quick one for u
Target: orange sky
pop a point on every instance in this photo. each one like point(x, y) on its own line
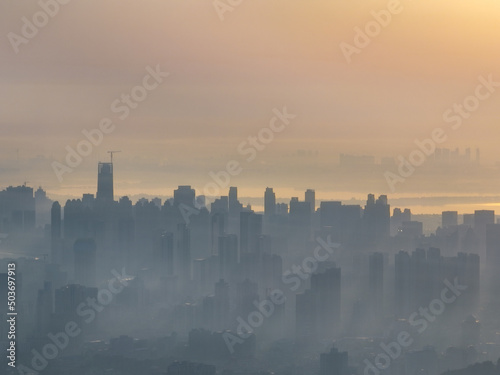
point(226, 78)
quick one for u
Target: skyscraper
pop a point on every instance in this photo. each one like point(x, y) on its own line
point(330, 214)
point(184, 195)
point(376, 219)
point(85, 262)
point(376, 284)
point(228, 255)
point(326, 287)
point(55, 233)
point(402, 284)
point(449, 218)
point(310, 196)
point(269, 202)
point(217, 229)
point(334, 363)
point(183, 253)
point(105, 190)
point(250, 230)
point(166, 256)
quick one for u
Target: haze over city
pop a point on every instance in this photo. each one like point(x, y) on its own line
point(233, 187)
point(226, 76)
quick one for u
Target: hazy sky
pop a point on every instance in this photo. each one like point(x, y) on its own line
point(226, 77)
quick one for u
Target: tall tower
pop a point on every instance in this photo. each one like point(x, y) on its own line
point(55, 233)
point(85, 262)
point(250, 230)
point(105, 182)
point(310, 196)
point(269, 202)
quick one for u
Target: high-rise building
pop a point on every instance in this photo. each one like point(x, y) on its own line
point(17, 209)
point(403, 284)
point(68, 298)
point(44, 309)
point(327, 288)
point(42, 207)
point(250, 230)
point(449, 219)
point(468, 219)
point(85, 251)
point(493, 244)
point(55, 233)
point(376, 284)
point(222, 305)
point(376, 219)
point(310, 196)
point(183, 253)
point(334, 363)
point(330, 214)
point(228, 255)
point(166, 256)
point(105, 190)
point(269, 202)
point(234, 205)
point(184, 195)
point(246, 295)
point(300, 221)
point(217, 224)
point(281, 209)
point(233, 194)
point(305, 316)
point(482, 218)
point(317, 309)
point(220, 205)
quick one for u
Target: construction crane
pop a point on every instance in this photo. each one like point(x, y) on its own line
point(112, 152)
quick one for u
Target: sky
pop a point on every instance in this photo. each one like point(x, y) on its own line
point(229, 67)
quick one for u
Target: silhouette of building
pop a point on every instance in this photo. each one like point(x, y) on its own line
point(68, 298)
point(376, 219)
point(44, 309)
point(228, 255)
point(334, 363)
point(317, 309)
point(55, 233)
point(250, 230)
point(17, 210)
point(217, 230)
point(85, 255)
point(403, 284)
point(330, 214)
point(105, 189)
point(310, 197)
point(269, 202)
point(184, 195)
point(376, 284)
point(449, 219)
point(183, 253)
point(166, 257)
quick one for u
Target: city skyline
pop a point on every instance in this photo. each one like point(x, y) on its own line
point(224, 80)
point(249, 187)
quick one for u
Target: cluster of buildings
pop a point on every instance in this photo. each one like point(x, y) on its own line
point(203, 271)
